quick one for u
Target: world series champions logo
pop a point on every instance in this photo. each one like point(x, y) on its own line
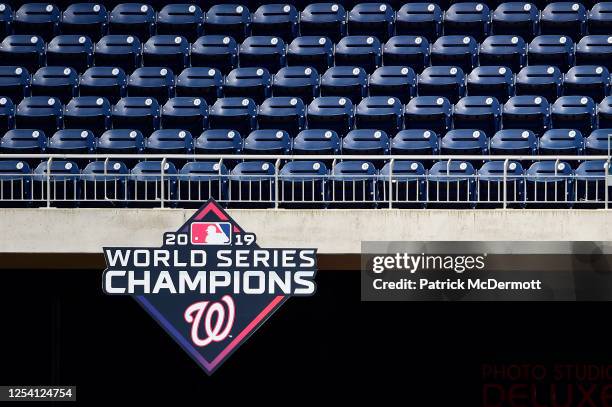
point(209, 285)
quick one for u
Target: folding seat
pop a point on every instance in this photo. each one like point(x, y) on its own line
point(186, 113)
point(186, 20)
point(263, 52)
point(564, 18)
point(24, 141)
point(315, 52)
point(552, 50)
point(254, 83)
point(419, 19)
point(600, 18)
point(297, 81)
point(590, 181)
point(14, 83)
point(206, 83)
point(353, 184)
point(105, 183)
point(133, 19)
point(562, 142)
point(153, 82)
point(528, 113)
point(61, 184)
point(168, 51)
point(88, 112)
point(199, 181)
point(347, 81)
point(587, 80)
point(27, 51)
point(228, 19)
point(276, 19)
point(395, 81)
point(514, 142)
point(15, 183)
point(215, 51)
point(234, 113)
point(268, 142)
point(500, 183)
point(516, 18)
point(283, 113)
point(170, 141)
point(428, 112)
point(506, 50)
point(303, 184)
point(465, 142)
point(407, 188)
point(138, 113)
point(57, 81)
point(122, 141)
point(367, 142)
point(416, 142)
point(381, 113)
point(317, 142)
point(542, 80)
point(40, 19)
point(252, 184)
point(40, 112)
point(75, 51)
point(331, 113)
point(219, 141)
point(73, 141)
point(412, 51)
point(359, 50)
point(574, 112)
point(326, 19)
point(107, 82)
point(471, 19)
point(149, 182)
point(478, 112)
point(86, 19)
point(121, 51)
point(7, 114)
point(604, 113)
point(594, 50)
point(377, 19)
point(549, 184)
point(452, 184)
point(455, 50)
point(6, 20)
point(446, 81)
point(599, 142)
point(495, 81)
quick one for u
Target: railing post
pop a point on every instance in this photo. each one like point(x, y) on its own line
point(49, 162)
point(504, 179)
point(276, 187)
point(162, 192)
point(391, 164)
point(606, 182)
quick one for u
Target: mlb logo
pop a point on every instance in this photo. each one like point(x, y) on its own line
point(211, 233)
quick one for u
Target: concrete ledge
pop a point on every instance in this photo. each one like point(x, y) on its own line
point(331, 231)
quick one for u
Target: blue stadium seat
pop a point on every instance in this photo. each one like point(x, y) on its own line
point(185, 112)
point(170, 141)
point(452, 184)
point(24, 141)
point(347, 81)
point(527, 112)
point(599, 142)
point(457, 50)
point(331, 113)
point(317, 141)
point(6, 19)
point(377, 19)
point(27, 51)
point(169, 51)
point(380, 112)
point(215, 51)
point(594, 50)
point(604, 113)
point(303, 184)
point(587, 80)
point(552, 50)
point(416, 141)
point(228, 19)
point(138, 113)
point(283, 113)
point(219, 141)
point(107, 82)
point(478, 112)
point(395, 81)
point(206, 83)
point(122, 141)
point(408, 50)
point(88, 112)
point(505, 50)
point(428, 112)
point(419, 19)
point(298, 81)
point(40, 112)
point(200, 181)
point(514, 142)
point(327, 19)
point(600, 18)
point(105, 183)
point(549, 184)
point(254, 83)
point(233, 113)
point(359, 50)
point(7, 114)
point(564, 18)
point(268, 141)
point(408, 185)
point(561, 142)
point(542, 80)
point(156, 82)
point(465, 142)
point(121, 51)
point(252, 184)
point(14, 82)
point(88, 19)
point(73, 141)
point(315, 52)
point(186, 20)
point(64, 183)
point(15, 183)
point(276, 19)
point(354, 184)
point(57, 81)
point(471, 19)
point(367, 142)
point(495, 81)
point(574, 112)
point(40, 19)
point(495, 181)
point(145, 183)
point(516, 18)
point(590, 181)
point(75, 51)
point(263, 52)
point(446, 81)
point(136, 19)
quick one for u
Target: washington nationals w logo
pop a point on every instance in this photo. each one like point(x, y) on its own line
point(223, 324)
